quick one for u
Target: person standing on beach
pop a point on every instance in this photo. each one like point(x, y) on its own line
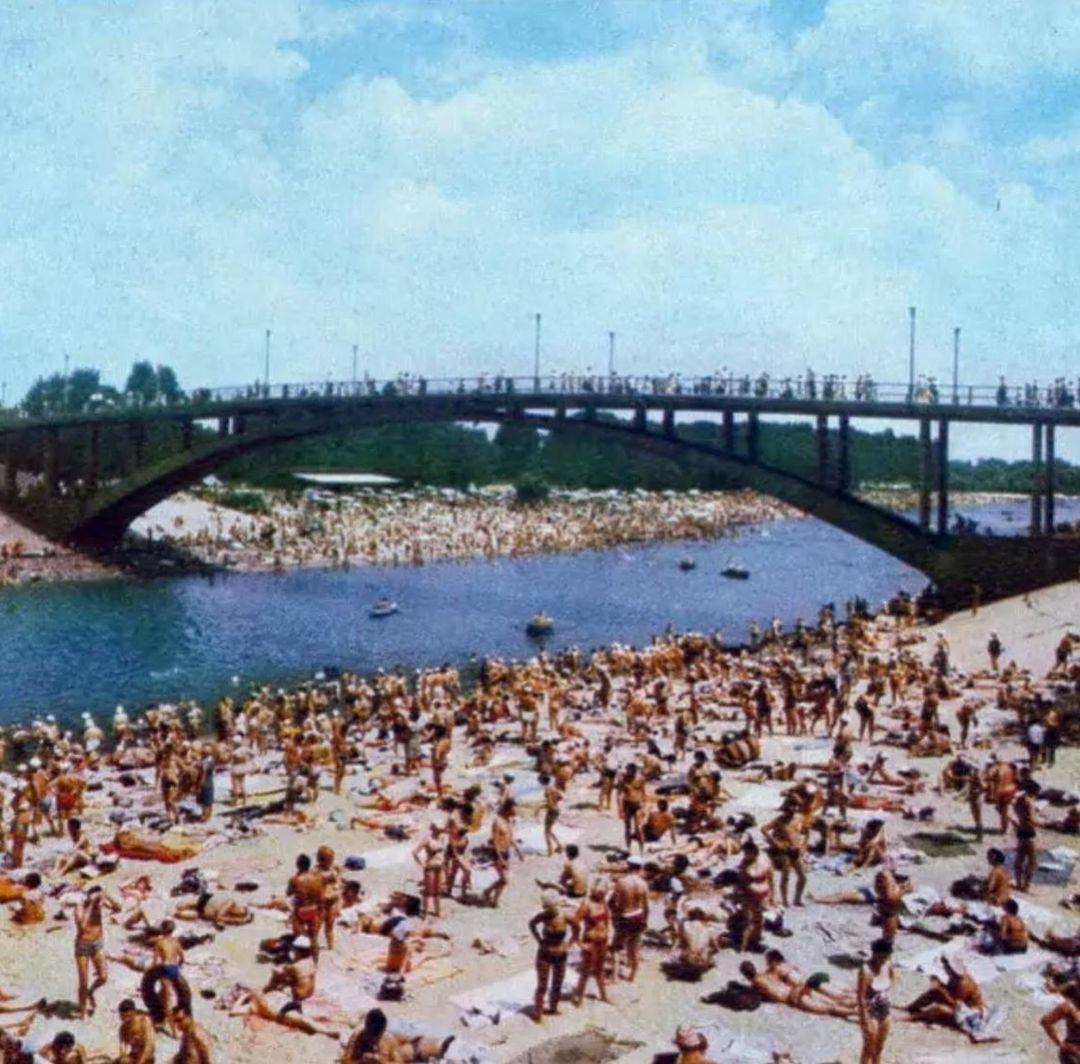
point(974, 794)
point(629, 904)
point(502, 841)
point(1023, 820)
point(90, 947)
point(306, 891)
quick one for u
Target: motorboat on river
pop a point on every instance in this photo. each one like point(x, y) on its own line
point(686, 564)
point(383, 607)
point(540, 624)
point(734, 571)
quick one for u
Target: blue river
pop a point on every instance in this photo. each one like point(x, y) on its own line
point(66, 648)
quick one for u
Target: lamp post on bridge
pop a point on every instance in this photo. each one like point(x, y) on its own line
point(911, 358)
point(956, 365)
point(611, 355)
point(536, 357)
point(266, 364)
point(355, 349)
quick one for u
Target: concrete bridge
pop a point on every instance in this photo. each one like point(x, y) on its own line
point(211, 427)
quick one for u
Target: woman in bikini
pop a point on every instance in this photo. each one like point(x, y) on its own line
point(430, 855)
point(554, 932)
point(327, 867)
point(594, 918)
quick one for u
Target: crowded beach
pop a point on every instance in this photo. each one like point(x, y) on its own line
point(853, 840)
point(440, 524)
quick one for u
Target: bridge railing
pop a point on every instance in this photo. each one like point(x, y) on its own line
point(862, 388)
point(799, 389)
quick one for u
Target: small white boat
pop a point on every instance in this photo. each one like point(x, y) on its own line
point(383, 607)
point(735, 572)
point(540, 624)
point(686, 564)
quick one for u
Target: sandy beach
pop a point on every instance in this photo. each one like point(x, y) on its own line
point(642, 1016)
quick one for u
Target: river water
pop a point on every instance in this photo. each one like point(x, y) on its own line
point(65, 648)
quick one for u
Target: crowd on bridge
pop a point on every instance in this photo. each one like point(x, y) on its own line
point(836, 825)
point(724, 382)
point(809, 386)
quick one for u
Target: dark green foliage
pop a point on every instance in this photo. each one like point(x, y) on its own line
point(250, 502)
point(168, 388)
point(81, 390)
point(530, 488)
point(567, 457)
point(142, 383)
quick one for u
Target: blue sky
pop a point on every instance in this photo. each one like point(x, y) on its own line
point(748, 184)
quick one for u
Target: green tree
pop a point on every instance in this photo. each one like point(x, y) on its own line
point(168, 387)
point(142, 383)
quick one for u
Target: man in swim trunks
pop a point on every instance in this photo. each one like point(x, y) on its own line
point(629, 904)
point(306, 889)
point(502, 842)
point(90, 947)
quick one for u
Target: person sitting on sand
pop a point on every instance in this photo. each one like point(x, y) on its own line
point(938, 1003)
point(692, 1045)
point(195, 1046)
point(1009, 934)
point(63, 1049)
point(30, 903)
point(297, 976)
point(998, 888)
point(696, 946)
point(136, 1035)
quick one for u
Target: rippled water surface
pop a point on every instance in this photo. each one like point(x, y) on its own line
point(67, 648)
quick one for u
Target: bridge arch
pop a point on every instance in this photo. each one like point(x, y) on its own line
point(997, 564)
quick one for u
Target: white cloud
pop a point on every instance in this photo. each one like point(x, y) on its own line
point(174, 188)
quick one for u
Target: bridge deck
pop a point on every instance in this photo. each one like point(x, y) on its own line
point(695, 396)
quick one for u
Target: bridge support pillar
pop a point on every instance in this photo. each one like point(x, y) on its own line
point(8, 476)
point(93, 459)
point(239, 425)
point(137, 434)
point(590, 412)
point(752, 436)
point(942, 465)
point(843, 458)
point(1036, 478)
point(187, 434)
point(222, 427)
point(925, 473)
point(821, 433)
point(640, 418)
point(1050, 486)
point(669, 422)
point(560, 411)
point(52, 458)
point(729, 432)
